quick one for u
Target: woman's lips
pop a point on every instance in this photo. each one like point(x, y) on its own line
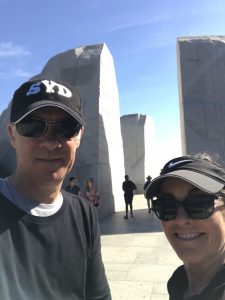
point(188, 236)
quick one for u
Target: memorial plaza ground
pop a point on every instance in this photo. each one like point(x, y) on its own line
point(137, 257)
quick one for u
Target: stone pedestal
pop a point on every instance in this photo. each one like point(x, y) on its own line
point(138, 139)
point(201, 72)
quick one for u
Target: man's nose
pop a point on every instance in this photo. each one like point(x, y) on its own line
point(50, 139)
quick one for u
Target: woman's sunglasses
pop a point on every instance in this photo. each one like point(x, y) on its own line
point(196, 206)
point(34, 127)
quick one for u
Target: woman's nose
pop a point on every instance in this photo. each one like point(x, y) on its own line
point(182, 214)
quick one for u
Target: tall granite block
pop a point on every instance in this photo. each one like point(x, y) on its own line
point(201, 73)
point(138, 140)
point(100, 155)
point(7, 153)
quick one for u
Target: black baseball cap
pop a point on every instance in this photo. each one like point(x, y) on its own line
point(39, 93)
point(205, 175)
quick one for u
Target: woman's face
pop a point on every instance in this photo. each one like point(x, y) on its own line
point(195, 241)
point(89, 183)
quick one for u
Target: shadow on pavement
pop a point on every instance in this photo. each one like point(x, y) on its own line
point(141, 222)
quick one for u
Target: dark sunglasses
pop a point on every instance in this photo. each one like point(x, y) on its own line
point(34, 127)
point(196, 206)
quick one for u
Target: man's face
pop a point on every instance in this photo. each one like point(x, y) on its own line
point(73, 182)
point(45, 158)
point(195, 241)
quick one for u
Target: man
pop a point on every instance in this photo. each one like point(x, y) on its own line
point(49, 243)
point(73, 187)
point(147, 182)
point(189, 198)
point(128, 188)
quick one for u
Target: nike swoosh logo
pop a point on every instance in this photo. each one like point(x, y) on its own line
point(173, 164)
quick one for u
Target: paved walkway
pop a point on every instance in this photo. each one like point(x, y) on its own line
point(137, 257)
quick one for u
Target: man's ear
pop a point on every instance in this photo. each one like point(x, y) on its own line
point(11, 134)
point(79, 136)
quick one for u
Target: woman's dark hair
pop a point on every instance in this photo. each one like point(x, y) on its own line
point(90, 179)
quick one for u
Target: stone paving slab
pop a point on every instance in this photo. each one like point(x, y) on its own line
point(137, 256)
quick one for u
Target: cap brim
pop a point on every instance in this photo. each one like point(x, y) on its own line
point(201, 181)
point(46, 103)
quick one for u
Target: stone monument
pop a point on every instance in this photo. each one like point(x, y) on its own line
point(100, 155)
point(7, 153)
point(138, 139)
point(201, 73)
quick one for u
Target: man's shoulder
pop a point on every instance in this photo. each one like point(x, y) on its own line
point(76, 201)
point(132, 183)
point(83, 213)
point(72, 197)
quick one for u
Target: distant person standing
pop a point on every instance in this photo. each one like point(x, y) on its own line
point(91, 193)
point(147, 182)
point(128, 188)
point(73, 186)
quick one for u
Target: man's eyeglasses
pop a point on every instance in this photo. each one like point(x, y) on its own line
point(196, 206)
point(34, 127)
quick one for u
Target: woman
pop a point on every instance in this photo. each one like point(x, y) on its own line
point(188, 198)
point(91, 193)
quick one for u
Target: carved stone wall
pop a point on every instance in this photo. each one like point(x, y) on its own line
point(138, 139)
point(201, 71)
point(7, 153)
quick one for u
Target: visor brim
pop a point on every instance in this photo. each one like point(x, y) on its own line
point(201, 181)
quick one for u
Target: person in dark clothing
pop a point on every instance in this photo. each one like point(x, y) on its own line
point(189, 199)
point(128, 188)
point(178, 284)
point(50, 244)
point(147, 182)
point(73, 187)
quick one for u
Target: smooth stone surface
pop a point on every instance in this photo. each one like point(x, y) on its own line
point(201, 72)
point(7, 152)
point(138, 141)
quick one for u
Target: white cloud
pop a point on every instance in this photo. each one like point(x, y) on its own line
point(20, 73)
point(138, 21)
point(10, 50)
point(14, 72)
point(152, 41)
point(180, 11)
point(9, 69)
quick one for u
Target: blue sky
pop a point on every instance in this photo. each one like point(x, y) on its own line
point(140, 34)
